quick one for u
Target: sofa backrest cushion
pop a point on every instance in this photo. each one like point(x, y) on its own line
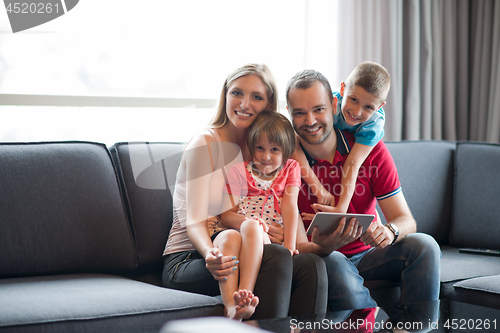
point(426, 173)
point(476, 209)
point(148, 171)
point(61, 210)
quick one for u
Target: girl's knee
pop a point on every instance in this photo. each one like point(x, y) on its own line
point(228, 240)
point(250, 226)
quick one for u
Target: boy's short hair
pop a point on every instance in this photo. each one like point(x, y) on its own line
point(372, 77)
point(305, 79)
point(279, 130)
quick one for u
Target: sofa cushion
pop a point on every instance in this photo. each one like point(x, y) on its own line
point(488, 284)
point(95, 302)
point(149, 171)
point(484, 291)
point(426, 173)
point(476, 212)
point(456, 266)
point(61, 210)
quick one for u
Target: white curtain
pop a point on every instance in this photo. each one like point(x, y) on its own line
point(444, 61)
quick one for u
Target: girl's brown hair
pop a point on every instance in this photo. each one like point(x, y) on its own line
point(279, 130)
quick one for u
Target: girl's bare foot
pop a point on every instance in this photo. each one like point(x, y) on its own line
point(245, 302)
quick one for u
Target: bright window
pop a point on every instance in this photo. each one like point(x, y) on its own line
point(153, 49)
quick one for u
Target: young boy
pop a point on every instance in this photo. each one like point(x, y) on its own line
point(357, 108)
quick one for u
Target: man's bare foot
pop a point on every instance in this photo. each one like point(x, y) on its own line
point(245, 302)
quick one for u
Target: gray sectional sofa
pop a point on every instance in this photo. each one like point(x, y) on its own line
point(83, 229)
point(453, 190)
point(74, 257)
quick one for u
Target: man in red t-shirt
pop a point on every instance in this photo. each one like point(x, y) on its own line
point(382, 252)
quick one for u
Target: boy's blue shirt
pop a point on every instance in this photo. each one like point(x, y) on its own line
point(368, 133)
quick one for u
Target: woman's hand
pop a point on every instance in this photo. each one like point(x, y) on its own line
point(220, 266)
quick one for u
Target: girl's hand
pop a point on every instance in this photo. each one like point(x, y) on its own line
point(318, 208)
point(264, 225)
point(293, 252)
point(220, 266)
point(323, 208)
point(307, 216)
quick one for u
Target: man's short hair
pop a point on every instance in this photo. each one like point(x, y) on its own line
point(372, 77)
point(305, 79)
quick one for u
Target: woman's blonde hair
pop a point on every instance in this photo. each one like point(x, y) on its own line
point(263, 72)
point(278, 129)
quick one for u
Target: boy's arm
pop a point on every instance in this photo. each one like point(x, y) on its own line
point(231, 218)
point(324, 197)
point(350, 170)
point(290, 214)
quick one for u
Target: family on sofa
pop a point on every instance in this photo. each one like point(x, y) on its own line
point(84, 226)
point(238, 195)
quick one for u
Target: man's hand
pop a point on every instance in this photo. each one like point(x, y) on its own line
point(345, 234)
point(220, 266)
point(276, 233)
point(377, 235)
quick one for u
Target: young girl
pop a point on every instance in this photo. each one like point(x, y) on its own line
point(266, 191)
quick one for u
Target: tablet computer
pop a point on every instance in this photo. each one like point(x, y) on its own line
point(328, 222)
